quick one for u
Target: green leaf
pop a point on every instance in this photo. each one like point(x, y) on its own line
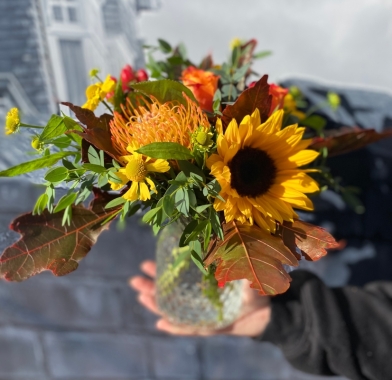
point(94, 168)
point(192, 198)
point(53, 129)
point(113, 177)
point(168, 205)
point(62, 142)
point(262, 54)
point(314, 121)
point(40, 205)
point(65, 201)
point(56, 174)
point(200, 209)
point(182, 201)
point(187, 231)
point(240, 72)
point(116, 202)
point(198, 261)
point(149, 215)
point(93, 156)
point(189, 168)
point(166, 150)
point(67, 216)
point(196, 231)
point(165, 90)
point(215, 223)
point(207, 235)
point(164, 46)
point(39, 163)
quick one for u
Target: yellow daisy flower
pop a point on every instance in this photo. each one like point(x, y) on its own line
point(12, 121)
point(95, 93)
point(137, 168)
point(257, 167)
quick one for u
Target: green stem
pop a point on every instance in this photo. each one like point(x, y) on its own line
point(107, 106)
point(30, 126)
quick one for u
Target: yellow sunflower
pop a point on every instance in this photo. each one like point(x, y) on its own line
point(257, 167)
point(137, 169)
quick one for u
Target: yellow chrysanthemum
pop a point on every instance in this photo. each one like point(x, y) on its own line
point(95, 93)
point(257, 167)
point(137, 168)
point(12, 121)
point(156, 122)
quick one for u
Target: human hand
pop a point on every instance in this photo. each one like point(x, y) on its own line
point(254, 317)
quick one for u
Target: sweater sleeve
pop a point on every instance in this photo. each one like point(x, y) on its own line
point(344, 331)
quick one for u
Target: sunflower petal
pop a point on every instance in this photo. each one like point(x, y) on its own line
point(273, 124)
point(232, 133)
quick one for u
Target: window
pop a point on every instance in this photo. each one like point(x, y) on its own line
point(72, 14)
point(65, 11)
point(57, 13)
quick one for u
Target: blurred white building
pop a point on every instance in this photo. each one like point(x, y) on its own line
point(49, 46)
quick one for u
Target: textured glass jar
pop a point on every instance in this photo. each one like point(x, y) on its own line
point(184, 295)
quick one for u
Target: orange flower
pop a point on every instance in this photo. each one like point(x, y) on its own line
point(155, 122)
point(278, 94)
point(202, 83)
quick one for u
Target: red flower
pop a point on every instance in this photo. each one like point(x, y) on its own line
point(278, 94)
point(127, 76)
point(141, 75)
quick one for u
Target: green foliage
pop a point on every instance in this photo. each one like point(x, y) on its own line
point(165, 90)
point(166, 150)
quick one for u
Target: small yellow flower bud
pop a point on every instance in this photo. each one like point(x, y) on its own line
point(93, 72)
point(333, 100)
point(36, 144)
point(202, 137)
point(235, 42)
point(12, 121)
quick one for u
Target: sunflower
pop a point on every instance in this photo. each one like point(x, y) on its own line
point(156, 122)
point(137, 169)
point(257, 167)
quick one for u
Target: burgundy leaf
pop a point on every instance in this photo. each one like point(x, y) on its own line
point(348, 139)
point(47, 245)
point(313, 241)
point(250, 99)
point(251, 253)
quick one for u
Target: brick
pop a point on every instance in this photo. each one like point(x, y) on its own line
point(49, 302)
point(175, 358)
point(96, 356)
point(20, 354)
point(119, 253)
point(225, 358)
point(17, 195)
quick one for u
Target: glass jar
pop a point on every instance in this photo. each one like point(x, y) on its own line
point(184, 294)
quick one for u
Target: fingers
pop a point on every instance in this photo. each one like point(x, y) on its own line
point(149, 268)
point(142, 285)
point(148, 301)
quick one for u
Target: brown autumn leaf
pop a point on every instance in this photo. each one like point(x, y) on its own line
point(250, 99)
point(313, 241)
point(88, 118)
point(251, 253)
point(47, 245)
point(348, 139)
point(97, 130)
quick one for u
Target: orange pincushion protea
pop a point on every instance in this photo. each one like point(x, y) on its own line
point(156, 122)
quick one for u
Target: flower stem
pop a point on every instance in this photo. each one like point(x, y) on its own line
point(107, 106)
point(30, 126)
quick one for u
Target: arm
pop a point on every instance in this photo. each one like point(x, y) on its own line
point(344, 331)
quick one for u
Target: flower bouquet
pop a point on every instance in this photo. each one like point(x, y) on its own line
point(218, 162)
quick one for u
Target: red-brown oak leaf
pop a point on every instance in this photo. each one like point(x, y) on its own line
point(250, 99)
point(312, 241)
point(47, 245)
point(248, 252)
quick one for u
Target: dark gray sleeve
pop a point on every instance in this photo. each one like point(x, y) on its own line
point(343, 331)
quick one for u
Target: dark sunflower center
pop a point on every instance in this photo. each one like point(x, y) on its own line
point(252, 172)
